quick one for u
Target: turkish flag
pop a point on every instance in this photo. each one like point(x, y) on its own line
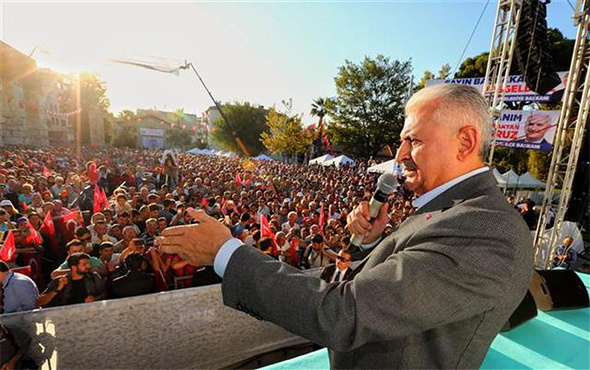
point(45, 172)
point(321, 222)
point(266, 231)
point(35, 236)
point(71, 216)
point(92, 173)
point(48, 225)
point(97, 200)
point(104, 198)
point(238, 179)
point(8, 248)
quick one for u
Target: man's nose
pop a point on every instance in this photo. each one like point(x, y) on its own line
point(401, 153)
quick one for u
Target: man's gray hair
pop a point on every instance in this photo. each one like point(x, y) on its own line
point(460, 105)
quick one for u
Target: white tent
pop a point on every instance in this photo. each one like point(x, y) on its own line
point(511, 179)
point(528, 181)
point(339, 161)
point(322, 159)
point(391, 166)
point(194, 151)
point(499, 177)
point(263, 157)
point(207, 152)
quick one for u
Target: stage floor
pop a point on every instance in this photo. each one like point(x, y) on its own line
point(552, 340)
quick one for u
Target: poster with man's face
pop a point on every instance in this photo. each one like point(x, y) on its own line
point(527, 129)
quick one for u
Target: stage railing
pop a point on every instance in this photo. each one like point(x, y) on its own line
point(188, 328)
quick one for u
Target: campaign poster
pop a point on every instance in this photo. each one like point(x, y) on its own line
point(530, 129)
point(516, 88)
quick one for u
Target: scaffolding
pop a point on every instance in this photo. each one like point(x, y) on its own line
point(567, 143)
point(500, 59)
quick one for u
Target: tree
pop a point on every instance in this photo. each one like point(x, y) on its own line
point(286, 134)
point(92, 95)
point(125, 135)
point(473, 67)
point(125, 138)
point(319, 108)
point(177, 138)
point(248, 121)
point(444, 72)
point(427, 76)
point(369, 108)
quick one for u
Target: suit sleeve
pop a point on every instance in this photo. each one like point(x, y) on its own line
point(438, 279)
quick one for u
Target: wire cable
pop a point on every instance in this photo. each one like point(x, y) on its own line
point(470, 37)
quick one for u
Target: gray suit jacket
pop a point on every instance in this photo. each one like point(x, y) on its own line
point(434, 294)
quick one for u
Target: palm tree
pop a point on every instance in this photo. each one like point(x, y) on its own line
point(319, 108)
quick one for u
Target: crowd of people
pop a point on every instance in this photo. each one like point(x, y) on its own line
point(84, 229)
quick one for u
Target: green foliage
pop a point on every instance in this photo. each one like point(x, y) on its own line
point(320, 108)
point(286, 135)
point(444, 72)
point(177, 138)
point(427, 76)
point(126, 137)
point(369, 108)
point(538, 164)
point(248, 121)
point(473, 67)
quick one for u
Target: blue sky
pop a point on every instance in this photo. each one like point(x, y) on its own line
point(261, 52)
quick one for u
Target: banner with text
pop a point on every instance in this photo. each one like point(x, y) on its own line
point(531, 129)
point(516, 88)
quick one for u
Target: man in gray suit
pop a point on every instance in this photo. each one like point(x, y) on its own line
point(434, 293)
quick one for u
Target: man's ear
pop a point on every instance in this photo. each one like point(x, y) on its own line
point(469, 139)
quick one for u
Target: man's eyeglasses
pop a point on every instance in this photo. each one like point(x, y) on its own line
point(342, 259)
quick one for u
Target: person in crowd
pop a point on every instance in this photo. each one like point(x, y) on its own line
point(318, 254)
point(108, 257)
point(339, 271)
point(18, 292)
point(151, 232)
point(291, 222)
point(79, 285)
point(76, 246)
point(129, 233)
point(565, 256)
point(135, 281)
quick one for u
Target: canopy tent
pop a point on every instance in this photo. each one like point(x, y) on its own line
point(511, 179)
point(528, 181)
point(263, 157)
point(391, 166)
point(195, 151)
point(339, 161)
point(198, 151)
point(322, 159)
point(499, 177)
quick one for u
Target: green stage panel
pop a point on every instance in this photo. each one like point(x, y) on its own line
point(553, 340)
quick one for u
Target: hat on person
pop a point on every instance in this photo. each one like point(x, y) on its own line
point(22, 220)
point(6, 203)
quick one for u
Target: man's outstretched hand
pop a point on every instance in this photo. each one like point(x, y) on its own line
point(196, 243)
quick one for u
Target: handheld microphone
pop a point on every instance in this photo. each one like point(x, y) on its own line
point(386, 185)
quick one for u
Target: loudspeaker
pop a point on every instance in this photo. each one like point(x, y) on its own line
point(532, 52)
point(526, 310)
point(558, 290)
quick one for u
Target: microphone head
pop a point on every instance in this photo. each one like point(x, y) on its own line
point(387, 183)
